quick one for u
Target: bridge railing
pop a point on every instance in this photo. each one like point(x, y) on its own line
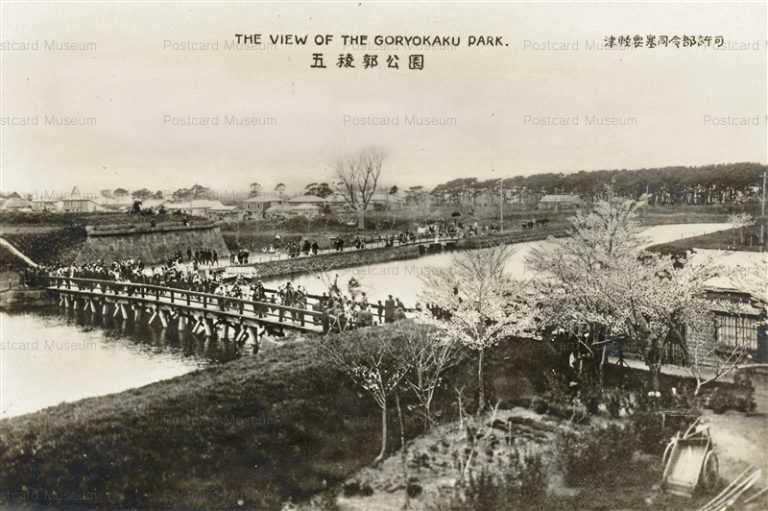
point(197, 300)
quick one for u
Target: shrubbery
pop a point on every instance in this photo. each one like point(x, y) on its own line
point(520, 483)
point(596, 454)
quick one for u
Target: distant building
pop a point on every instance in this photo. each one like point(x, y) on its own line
point(560, 202)
point(16, 204)
point(211, 209)
point(78, 205)
point(48, 205)
point(311, 200)
point(284, 211)
point(336, 203)
point(258, 205)
point(386, 200)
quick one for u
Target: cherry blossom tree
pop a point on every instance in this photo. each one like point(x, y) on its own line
point(601, 281)
point(480, 304)
point(373, 362)
point(430, 355)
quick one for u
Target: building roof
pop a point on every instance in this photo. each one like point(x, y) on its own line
point(387, 197)
point(335, 198)
point(16, 203)
point(208, 204)
point(152, 203)
point(267, 197)
point(307, 199)
point(78, 199)
point(561, 198)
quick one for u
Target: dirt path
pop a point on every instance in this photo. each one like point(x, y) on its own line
point(4, 243)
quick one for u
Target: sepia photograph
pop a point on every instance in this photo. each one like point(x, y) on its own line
point(383, 255)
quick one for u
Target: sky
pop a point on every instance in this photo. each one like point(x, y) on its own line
point(552, 98)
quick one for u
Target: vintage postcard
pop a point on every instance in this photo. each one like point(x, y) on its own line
point(383, 255)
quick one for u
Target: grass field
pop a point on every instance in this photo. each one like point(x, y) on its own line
point(742, 239)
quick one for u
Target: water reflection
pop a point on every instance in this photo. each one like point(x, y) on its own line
point(49, 356)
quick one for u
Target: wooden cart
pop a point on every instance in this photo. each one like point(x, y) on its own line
point(690, 462)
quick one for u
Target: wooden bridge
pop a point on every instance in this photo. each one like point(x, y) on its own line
point(211, 314)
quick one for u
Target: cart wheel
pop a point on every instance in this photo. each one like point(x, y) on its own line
point(710, 472)
point(667, 453)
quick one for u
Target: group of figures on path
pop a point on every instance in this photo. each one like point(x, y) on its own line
point(334, 310)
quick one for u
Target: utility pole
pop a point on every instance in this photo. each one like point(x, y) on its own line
point(501, 203)
point(762, 216)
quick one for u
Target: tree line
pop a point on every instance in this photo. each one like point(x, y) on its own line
point(707, 184)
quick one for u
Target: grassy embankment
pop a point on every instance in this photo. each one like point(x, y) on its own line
point(744, 239)
point(256, 430)
point(248, 434)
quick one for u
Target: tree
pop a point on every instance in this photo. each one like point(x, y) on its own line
point(599, 282)
point(107, 194)
point(704, 350)
point(158, 195)
point(120, 193)
point(479, 303)
point(322, 190)
point(393, 190)
point(357, 178)
point(430, 355)
point(142, 194)
point(280, 189)
point(255, 189)
point(193, 193)
point(373, 362)
point(201, 192)
point(182, 194)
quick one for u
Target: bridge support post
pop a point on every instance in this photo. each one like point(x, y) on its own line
point(105, 309)
point(181, 323)
point(197, 325)
point(226, 330)
point(208, 325)
point(124, 311)
point(163, 318)
point(138, 313)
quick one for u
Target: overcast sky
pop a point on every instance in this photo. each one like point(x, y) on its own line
point(129, 82)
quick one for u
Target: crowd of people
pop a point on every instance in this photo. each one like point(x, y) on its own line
point(335, 309)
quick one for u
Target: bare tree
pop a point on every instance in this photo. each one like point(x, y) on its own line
point(706, 364)
point(357, 179)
